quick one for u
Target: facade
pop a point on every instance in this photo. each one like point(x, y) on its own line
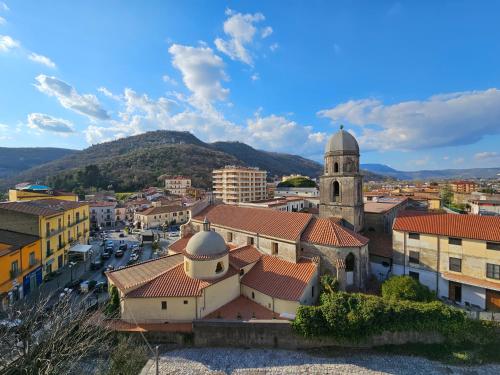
point(121, 213)
point(341, 185)
point(233, 184)
point(380, 215)
point(290, 204)
point(31, 192)
point(177, 185)
point(158, 215)
point(59, 224)
point(458, 256)
point(102, 214)
point(463, 186)
point(485, 207)
point(311, 192)
point(20, 265)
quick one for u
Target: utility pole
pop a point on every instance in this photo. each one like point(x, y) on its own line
point(157, 361)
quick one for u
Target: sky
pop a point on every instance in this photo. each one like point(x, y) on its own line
point(417, 83)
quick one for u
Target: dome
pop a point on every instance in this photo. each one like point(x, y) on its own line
point(206, 244)
point(342, 141)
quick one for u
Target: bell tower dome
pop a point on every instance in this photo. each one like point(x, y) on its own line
point(341, 185)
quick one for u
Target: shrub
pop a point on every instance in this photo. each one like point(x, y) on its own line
point(127, 358)
point(113, 307)
point(406, 288)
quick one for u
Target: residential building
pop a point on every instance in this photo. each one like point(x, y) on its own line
point(270, 189)
point(380, 215)
point(20, 265)
point(458, 256)
point(233, 184)
point(121, 213)
point(30, 192)
point(152, 193)
point(177, 185)
point(102, 214)
point(290, 204)
point(312, 192)
point(485, 207)
point(158, 215)
point(60, 225)
point(463, 186)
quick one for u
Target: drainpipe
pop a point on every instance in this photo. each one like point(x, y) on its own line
point(404, 253)
point(438, 264)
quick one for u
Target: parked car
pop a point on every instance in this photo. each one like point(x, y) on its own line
point(101, 286)
point(109, 249)
point(123, 247)
point(109, 267)
point(106, 254)
point(119, 253)
point(96, 264)
point(75, 284)
point(110, 243)
point(122, 235)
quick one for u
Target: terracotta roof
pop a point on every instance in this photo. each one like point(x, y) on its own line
point(179, 245)
point(381, 207)
point(472, 281)
point(42, 207)
point(162, 210)
point(328, 231)
point(242, 308)
point(278, 224)
point(279, 278)
point(135, 275)
point(175, 283)
point(15, 240)
point(102, 204)
point(486, 228)
point(243, 256)
point(380, 244)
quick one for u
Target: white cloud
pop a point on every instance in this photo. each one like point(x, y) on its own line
point(487, 156)
point(103, 90)
point(41, 121)
point(240, 29)
point(4, 132)
point(7, 43)
point(3, 21)
point(68, 97)
point(44, 60)
point(443, 120)
point(273, 47)
point(202, 73)
point(167, 79)
point(266, 31)
point(4, 6)
point(255, 77)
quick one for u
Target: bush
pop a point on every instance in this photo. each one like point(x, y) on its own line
point(113, 307)
point(406, 288)
point(128, 358)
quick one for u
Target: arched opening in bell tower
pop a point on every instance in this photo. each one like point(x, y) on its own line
point(336, 168)
point(336, 192)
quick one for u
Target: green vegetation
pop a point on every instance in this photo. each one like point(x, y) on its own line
point(447, 195)
point(329, 284)
point(112, 309)
point(406, 288)
point(122, 197)
point(128, 357)
point(302, 182)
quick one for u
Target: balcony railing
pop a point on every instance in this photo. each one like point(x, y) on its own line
point(14, 274)
point(49, 252)
point(53, 232)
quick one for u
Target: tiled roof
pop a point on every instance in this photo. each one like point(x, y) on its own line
point(15, 240)
point(278, 224)
point(464, 279)
point(328, 231)
point(162, 210)
point(42, 207)
point(179, 245)
point(381, 207)
point(486, 228)
point(102, 204)
point(279, 278)
point(243, 256)
point(242, 308)
point(175, 283)
point(133, 276)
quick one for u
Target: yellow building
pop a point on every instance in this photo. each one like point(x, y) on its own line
point(233, 184)
point(60, 225)
point(29, 192)
point(20, 265)
point(458, 256)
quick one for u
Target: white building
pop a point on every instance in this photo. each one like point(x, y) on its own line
point(296, 191)
point(102, 214)
point(485, 207)
point(177, 185)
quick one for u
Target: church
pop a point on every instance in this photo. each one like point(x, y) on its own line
point(235, 262)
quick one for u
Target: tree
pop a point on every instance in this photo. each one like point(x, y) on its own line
point(329, 284)
point(406, 288)
point(113, 307)
point(447, 195)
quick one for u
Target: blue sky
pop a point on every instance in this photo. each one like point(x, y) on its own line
point(418, 83)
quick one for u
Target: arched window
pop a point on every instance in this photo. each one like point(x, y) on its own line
point(219, 268)
point(336, 168)
point(349, 263)
point(336, 192)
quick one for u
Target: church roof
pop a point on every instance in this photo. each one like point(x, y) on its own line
point(329, 232)
point(243, 256)
point(342, 141)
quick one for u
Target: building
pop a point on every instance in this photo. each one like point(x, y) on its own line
point(270, 189)
point(458, 256)
point(152, 193)
point(463, 186)
point(30, 192)
point(341, 185)
point(59, 224)
point(289, 177)
point(485, 207)
point(290, 204)
point(380, 215)
point(159, 215)
point(20, 265)
point(177, 185)
point(206, 277)
point(120, 213)
point(311, 192)
point(102, 215)
point(233, 184)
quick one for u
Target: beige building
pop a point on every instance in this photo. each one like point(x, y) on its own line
point(233, 184)
point(458, 256)
point(32, 192)
point(463, 186)
point(177, 185)
point(161, 215)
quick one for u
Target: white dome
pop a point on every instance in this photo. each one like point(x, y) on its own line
point(342, 141)
point(206, 244)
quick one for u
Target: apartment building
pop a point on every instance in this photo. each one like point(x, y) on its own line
point(233, 184)
point(60, 225)
point(158, 215)
point(458, 256)
point(463, 186)
point(31, 192)
point(177, 185)
point(102, 214)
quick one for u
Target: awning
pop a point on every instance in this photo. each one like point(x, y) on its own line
point(469, 280)
point(83, 249)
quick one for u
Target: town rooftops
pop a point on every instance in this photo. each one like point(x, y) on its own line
point(243, 256)
point(15, 240)
point(485, 228)
point(329, 232)
point(277, 224)
point(42, 207)
point(384, 205)
point(487, 202)
point(279, 278)
point(102, 204)
point(161, 210)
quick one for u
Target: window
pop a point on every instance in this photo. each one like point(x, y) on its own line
point(59, 224)
point(336, 168)
point(229, 236)
point(414, 236)
point(493, 271)
point(48, 248)
point(253, 295)
point(414, 257)
point(249, 240)
point(219, 267)
point(185, 301)
point(14, 268)
point(414, 275)
point(455, 264)
point(77, 216)
point(47, 229)
point(242, 271)
point(336, 192)
point(32, 258)
point(163, 305)
point(312, 291)
point(455, 241)
point(274, 248)
point(493, 245)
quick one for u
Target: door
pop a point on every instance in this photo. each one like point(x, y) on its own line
point(455, 291)
point(492, 300)
point(59, 261)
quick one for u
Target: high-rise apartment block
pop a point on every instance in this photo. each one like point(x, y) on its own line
point(234, 184)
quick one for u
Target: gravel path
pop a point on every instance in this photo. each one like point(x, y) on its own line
point(269, 361)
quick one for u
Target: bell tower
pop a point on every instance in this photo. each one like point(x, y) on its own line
point(341, 185)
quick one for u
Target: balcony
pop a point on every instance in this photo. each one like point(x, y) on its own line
point(61, 246)
point(53, 232)
point(14, 274)
point(80, 220)
point(49, 252)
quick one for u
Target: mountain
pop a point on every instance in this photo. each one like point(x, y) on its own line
point(16, 160)
point(444, 174)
